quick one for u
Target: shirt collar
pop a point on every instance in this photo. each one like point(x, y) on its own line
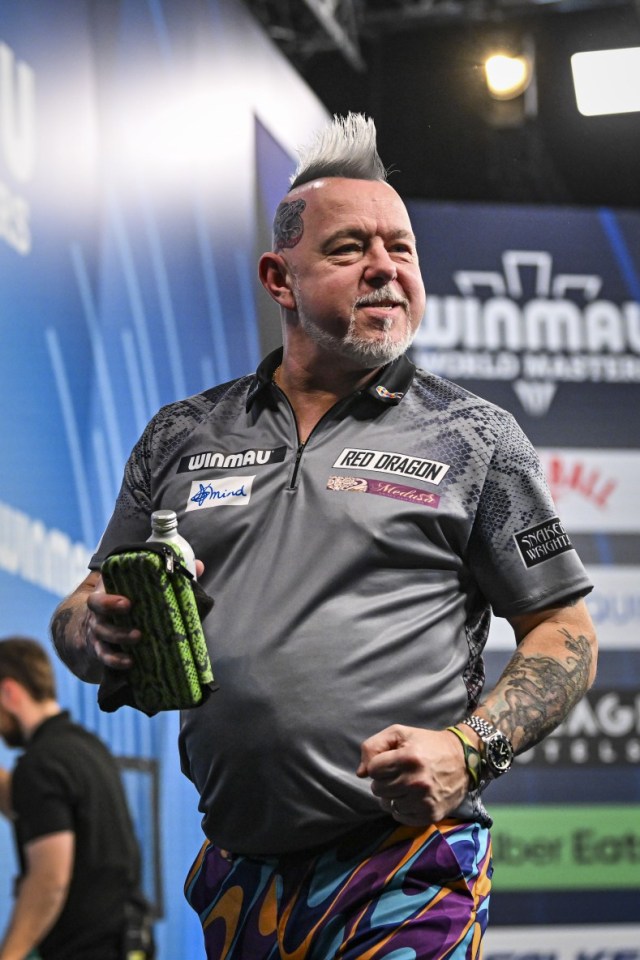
point(387, 388)
point(392, 381)
point(61, 717)
point(261, 383)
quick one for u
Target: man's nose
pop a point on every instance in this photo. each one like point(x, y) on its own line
point(380, 268)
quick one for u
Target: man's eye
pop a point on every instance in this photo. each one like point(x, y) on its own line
point(348, 247)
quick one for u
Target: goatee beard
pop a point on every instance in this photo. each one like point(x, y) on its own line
point(363, 351)
point(14, 738)
point(376, 353)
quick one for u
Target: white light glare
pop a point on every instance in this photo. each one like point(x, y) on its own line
point(607, 81)
point(507, 77)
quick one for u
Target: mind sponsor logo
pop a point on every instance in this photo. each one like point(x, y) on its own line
point(542, 542)
point(218, 492)
point(398, 464)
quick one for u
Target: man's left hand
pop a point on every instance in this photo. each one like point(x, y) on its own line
point(419, 776)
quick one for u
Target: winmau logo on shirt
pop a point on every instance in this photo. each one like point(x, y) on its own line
point(396, 463)
point(217, 459)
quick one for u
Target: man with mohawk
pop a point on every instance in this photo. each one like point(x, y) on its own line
point(340, 764)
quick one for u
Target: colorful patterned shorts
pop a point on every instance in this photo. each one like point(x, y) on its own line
point(402, 893)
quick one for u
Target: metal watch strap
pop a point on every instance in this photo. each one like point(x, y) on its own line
point(497, 755)
point(482, 727)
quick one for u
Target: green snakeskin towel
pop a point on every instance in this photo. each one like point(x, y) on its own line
point(171, 669)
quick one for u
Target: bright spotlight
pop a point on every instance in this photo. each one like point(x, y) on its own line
point(607, 81)
point(507, 77)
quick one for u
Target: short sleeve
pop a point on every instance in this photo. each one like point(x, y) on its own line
point(129, 521)
point(520, 552)
point(41, 798)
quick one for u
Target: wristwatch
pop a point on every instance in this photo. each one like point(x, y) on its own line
point(497, 755)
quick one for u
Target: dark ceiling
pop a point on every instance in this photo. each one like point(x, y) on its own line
point(416, 67)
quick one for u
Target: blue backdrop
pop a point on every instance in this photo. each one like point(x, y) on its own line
point(142, 149)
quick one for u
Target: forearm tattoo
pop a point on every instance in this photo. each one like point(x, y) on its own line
point(59, 624)
point(68, 629)
point(535, 693)
point(288, 225)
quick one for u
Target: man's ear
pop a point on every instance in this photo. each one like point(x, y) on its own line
point(276, 279)
point(9, 692)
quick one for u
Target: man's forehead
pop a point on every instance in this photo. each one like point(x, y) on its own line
point(343, 189)
point(344, 200)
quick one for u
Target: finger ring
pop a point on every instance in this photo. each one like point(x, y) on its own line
point(394, 808)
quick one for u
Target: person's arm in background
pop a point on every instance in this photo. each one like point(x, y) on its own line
point(42, 893)
point(552, 669)
point(5, 792)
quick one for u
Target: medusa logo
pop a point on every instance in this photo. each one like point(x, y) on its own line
point(564, 332)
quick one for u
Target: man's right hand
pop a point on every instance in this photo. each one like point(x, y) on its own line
point(90, 630)
point(107, 626)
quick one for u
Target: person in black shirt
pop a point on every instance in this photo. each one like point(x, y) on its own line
point(79, 858)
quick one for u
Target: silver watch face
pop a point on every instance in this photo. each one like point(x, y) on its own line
point(498, 754)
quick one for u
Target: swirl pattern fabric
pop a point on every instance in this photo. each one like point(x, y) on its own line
point(385, 891)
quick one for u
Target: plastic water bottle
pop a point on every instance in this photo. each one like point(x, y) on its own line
point(164, 528)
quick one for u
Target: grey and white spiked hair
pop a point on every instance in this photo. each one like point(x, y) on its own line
point(344, 148)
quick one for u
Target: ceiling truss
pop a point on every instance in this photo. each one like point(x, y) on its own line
point(305, 28)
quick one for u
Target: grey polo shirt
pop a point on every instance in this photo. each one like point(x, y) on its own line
point(353, 578)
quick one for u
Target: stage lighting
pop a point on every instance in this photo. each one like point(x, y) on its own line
point(607, 81)
point(507, 77)
point(509, 73)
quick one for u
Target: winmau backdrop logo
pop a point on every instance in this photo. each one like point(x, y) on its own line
point(565, 333)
